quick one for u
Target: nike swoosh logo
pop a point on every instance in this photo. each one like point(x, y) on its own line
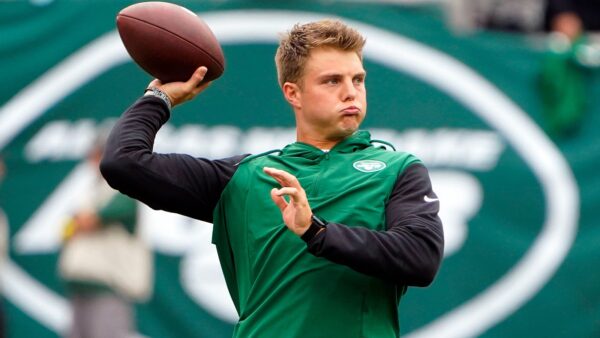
point(429, 199)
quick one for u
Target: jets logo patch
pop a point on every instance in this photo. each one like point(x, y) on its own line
point(368, 166)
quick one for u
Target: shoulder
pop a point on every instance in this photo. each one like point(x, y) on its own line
point(391, 157)
point(249, 167)
point(264, 159)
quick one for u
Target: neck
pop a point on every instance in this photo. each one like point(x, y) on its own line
point(317, 141)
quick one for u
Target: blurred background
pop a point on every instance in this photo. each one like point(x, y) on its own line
point(500, 98)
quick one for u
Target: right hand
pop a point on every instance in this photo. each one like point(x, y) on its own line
point(86, 221)
point(180, 92)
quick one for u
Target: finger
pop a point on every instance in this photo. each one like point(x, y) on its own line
point(283, 177)
point(297, 196)
point(270, 172)
point(288, 179)
point(287, 191)
point(197, 77)
point(280, 202)
point(154, 83)
point(281, 183)
point(201, 88)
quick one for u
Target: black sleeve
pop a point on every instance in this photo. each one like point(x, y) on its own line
point(409, 252)
point(172, 182)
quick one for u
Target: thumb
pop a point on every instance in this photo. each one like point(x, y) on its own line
point(154, 83)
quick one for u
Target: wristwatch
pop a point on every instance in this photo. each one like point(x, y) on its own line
point(317, 224)
point(153, 91)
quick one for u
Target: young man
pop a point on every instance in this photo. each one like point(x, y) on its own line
point(320, 240)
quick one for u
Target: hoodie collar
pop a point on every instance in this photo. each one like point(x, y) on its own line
point(357, 141)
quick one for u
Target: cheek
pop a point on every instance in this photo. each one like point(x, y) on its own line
point(322, 104)
point(362, 117)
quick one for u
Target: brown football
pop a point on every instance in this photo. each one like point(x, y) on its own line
point(169, 41)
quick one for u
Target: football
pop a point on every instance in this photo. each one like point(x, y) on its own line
point(169, 41)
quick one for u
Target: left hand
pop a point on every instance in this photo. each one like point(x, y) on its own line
point(296, 213)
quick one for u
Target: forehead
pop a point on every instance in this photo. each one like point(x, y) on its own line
point(331, 60)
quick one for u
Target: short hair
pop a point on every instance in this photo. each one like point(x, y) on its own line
point(295, 46)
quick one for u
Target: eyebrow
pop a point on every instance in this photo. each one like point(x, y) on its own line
point(339, 75)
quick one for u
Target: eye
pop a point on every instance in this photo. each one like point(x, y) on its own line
point(332, 81)
point(359, 79)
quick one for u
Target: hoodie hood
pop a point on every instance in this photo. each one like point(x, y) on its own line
point(357, 141)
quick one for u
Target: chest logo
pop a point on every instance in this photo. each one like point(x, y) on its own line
point(369, 166)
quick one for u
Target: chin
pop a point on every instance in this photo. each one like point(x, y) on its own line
point(343, 133)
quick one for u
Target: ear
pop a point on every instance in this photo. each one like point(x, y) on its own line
point(292, 94)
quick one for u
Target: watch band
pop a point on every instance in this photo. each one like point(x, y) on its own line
point(153, 91)
point(316, 225)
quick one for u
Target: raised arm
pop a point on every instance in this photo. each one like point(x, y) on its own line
point(172, 182)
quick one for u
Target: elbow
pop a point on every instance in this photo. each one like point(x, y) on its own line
point(425, 275)
point(108, 168)
point(420, 273)
point(432, 256)
point(113, 170)
point(427, 269)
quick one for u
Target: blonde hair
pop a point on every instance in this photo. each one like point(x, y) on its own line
point(295, 46)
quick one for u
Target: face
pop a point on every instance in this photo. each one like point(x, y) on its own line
point(330, 100)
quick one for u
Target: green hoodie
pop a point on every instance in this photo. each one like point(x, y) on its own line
point(278, 287)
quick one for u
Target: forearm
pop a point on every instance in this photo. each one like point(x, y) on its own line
point(408, 255)
point(127, 164)
point(131, 140)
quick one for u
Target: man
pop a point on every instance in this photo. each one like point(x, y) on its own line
point(104, 263)
point(568, 66)
point(585, 12)
point(347, 225)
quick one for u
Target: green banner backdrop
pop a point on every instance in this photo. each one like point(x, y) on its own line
point(523, 242)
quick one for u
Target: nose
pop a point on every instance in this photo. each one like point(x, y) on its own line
point(348, 91)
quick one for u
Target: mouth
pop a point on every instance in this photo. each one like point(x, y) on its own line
point(352, 110)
